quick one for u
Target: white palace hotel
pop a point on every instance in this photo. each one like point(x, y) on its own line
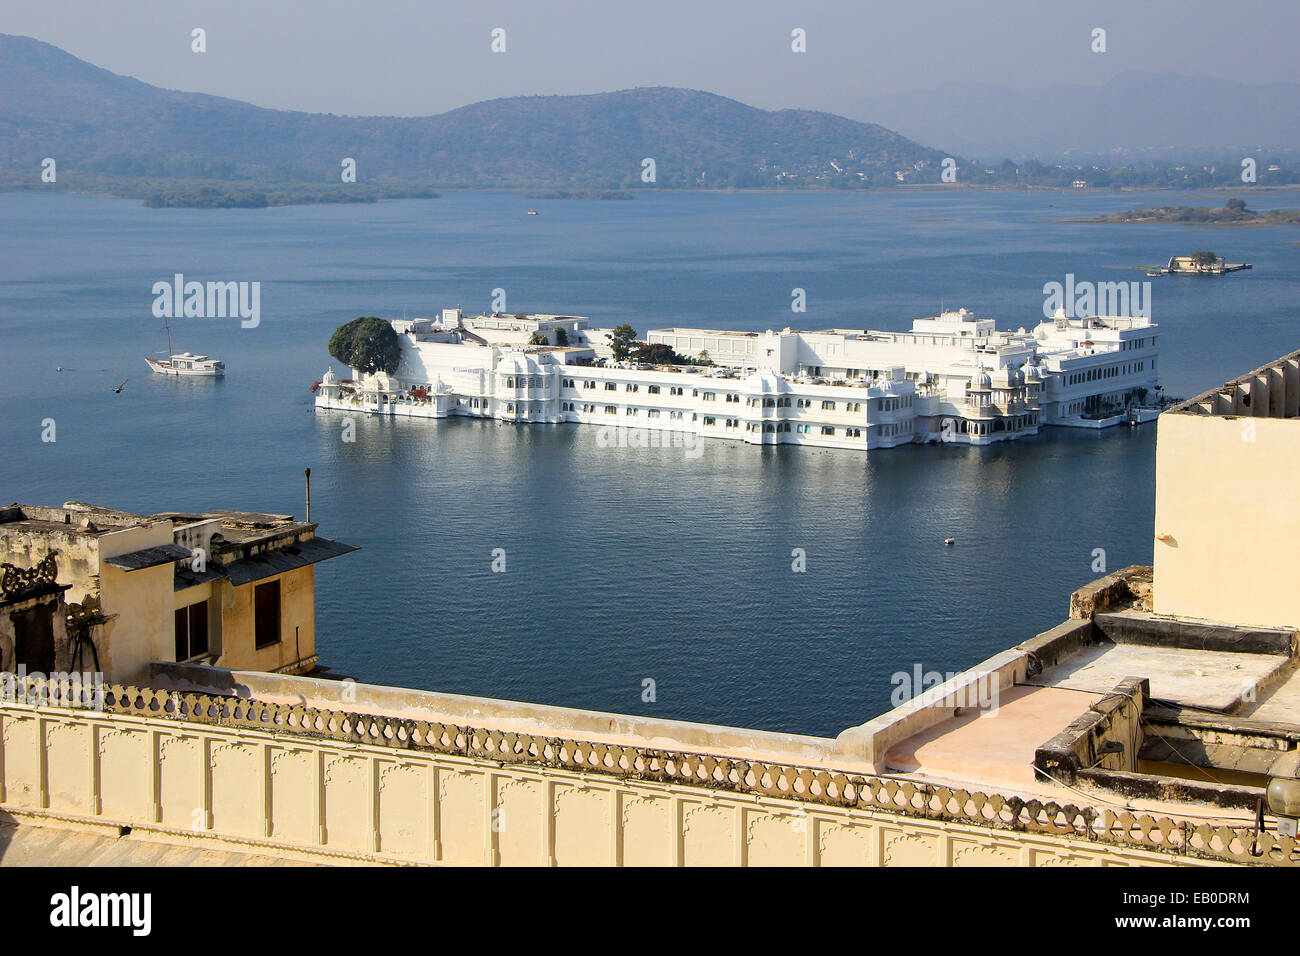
point(951, 378)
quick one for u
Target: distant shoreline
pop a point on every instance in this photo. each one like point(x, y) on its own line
point(246, 194)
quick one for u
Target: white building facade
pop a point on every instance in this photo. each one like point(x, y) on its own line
point(952, 378)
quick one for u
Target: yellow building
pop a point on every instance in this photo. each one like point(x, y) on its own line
point(225, 588)
point(1227, 509)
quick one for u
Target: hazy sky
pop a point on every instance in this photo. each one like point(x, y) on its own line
point(408, 57)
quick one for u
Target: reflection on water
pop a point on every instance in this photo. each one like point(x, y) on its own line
point(621, 563)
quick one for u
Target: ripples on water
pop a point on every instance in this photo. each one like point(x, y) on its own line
point(622, 564)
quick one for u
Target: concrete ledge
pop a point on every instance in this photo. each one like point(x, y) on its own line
point(492, 714)
point(1053, 646)
point(870, 742)
point(1123, 587)
point(1145, 786)
point(1107, 732)
point(1139, 627)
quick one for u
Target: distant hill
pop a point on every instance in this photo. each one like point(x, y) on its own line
point(1135, 115)
point(53, 104)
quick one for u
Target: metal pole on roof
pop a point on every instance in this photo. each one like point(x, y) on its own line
point(307, 472)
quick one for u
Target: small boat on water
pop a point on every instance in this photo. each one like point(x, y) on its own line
point(532, 212)
point(1155, 272)
point(185, 363)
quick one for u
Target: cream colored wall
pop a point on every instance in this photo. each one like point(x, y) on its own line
point(310, 797)
point(297, 608)
point(144, 627)
point(1226, 497)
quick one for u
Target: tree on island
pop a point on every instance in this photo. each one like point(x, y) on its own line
point(622, 341)
point(659, 353)
point(1203, 259)
point(367, 344)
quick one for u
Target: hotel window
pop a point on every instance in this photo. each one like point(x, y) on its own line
point(854, 432)
point(783, 427)
point(631, 387)
point(828, 430)
point(611, 410)
point(674, 414)
point(804, 403)
point(653, 389)
point(710, 420)
point(652, 413)
point(610, 387)
point(733, 422)
point(588, 384)
point(674, 390)
point(828, 406)
point(783, 402)
point(709, 396)
point(510, 383)
point(510, 409)
point(801, 429)
point(767, 427)
point(266, 614)
point(769, 403)
point(629, 411)
point(191, 631)
point(855, 406)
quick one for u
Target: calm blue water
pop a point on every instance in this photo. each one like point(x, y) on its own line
point(622, 564)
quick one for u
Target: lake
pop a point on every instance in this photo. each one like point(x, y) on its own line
point(622, 564)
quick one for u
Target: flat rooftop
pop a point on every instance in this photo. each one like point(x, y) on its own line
point(78, 517)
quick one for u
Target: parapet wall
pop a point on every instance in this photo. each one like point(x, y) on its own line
point(310, 783)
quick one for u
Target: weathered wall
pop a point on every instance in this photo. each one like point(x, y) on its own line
point(144, 628)
point(1228, 519)
point(481, 797)
point(297, 609)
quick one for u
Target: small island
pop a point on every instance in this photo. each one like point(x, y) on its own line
point(1200, 263)
point(1231, 213)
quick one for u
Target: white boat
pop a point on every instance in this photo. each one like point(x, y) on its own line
point(187, 363)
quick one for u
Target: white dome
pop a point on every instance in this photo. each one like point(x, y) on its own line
point(1032, 371)
point(517, 364)
point(329, 378)
point(981, 380)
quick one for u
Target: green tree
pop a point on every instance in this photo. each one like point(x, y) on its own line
point(1203, 259)
point(622, 340)
point(659, 353)
point(539, 338)
point(367, 344)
